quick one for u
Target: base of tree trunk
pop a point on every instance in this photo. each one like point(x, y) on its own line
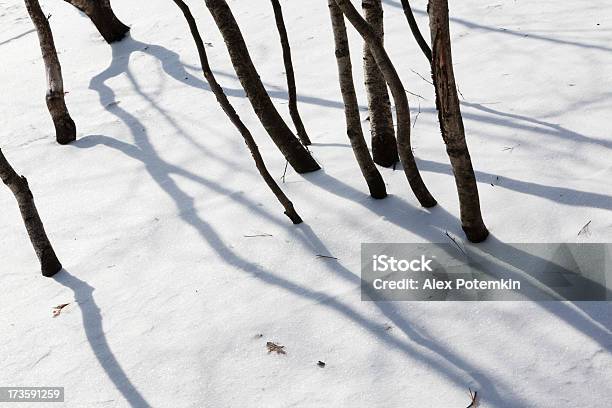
point(377, 188)
point(109, 26)
point(50, 265)
point(384, 150)
point(476, 234)
point(294, 217)
point(65, 129)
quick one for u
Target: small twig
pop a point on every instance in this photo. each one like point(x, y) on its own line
point(285, 172)
point(257, 235)
point(417, 116)
point(455, 241)
point(474, 397)
point(459, 90)
point(413, 94)
point(326, 256)
point(422, 77)
point(510, 148)
point(585, 230)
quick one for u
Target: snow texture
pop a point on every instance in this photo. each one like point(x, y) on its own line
point(171, 305)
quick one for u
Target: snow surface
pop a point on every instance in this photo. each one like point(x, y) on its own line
point(149, 209)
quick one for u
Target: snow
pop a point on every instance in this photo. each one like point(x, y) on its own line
point(149, 209)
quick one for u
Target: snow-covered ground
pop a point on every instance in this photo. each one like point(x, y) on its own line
point(171, 305)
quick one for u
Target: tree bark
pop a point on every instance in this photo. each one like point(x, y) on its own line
point(354, 131)
point(293, 107)
point(234, 118)
point(298, 157)
point(49, 263)
point(65, 129)
point(451, 122)
point(414, 27)
point(384, 145)
point(401, 101)
point(102, 15)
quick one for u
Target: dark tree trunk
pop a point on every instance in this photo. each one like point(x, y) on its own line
point(401, 101)
point(65, 129)
point(384, 145)
point(49, 263)
point(371, 174)
point(102, 15)
point(298, 157)
point(234, 118)
point(414, 27)
point(293, 107)
point(451, 123)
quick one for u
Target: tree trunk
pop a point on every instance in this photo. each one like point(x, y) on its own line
point(371, 174)
point(401, 101)
point(234, 118)
point(102, 15)
point(451, 123)
point(414, 27)
point(298, 157)
point(65, 129)
point(49, 263)
point(293, 107)
point(384, 145)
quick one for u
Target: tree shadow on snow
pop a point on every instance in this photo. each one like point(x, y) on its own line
point(526, 36)
point(455, 369)
point(429, 225)
point(92, 323)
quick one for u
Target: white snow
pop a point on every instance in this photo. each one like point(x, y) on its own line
point(149, 209)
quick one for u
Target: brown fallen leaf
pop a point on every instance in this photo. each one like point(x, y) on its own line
point(58, 309)
point(275, 347)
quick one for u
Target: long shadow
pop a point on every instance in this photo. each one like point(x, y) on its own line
point(18, 36)
point(584, 316)
point(454, 368)
point(561, 195)
point(496, 394)
point(543, 126)
point(92, 323)
point(521, 34)
point(173, 66)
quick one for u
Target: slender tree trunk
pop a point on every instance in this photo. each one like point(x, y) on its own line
point(298, 157)
point(65, 129)
point(451, 123)
point(49, 263)
point(414, 27)
point(102, 15)
point(293, 107)
point(401, 101)
point(384, 145)
point(371, 174)
point(234, 118)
